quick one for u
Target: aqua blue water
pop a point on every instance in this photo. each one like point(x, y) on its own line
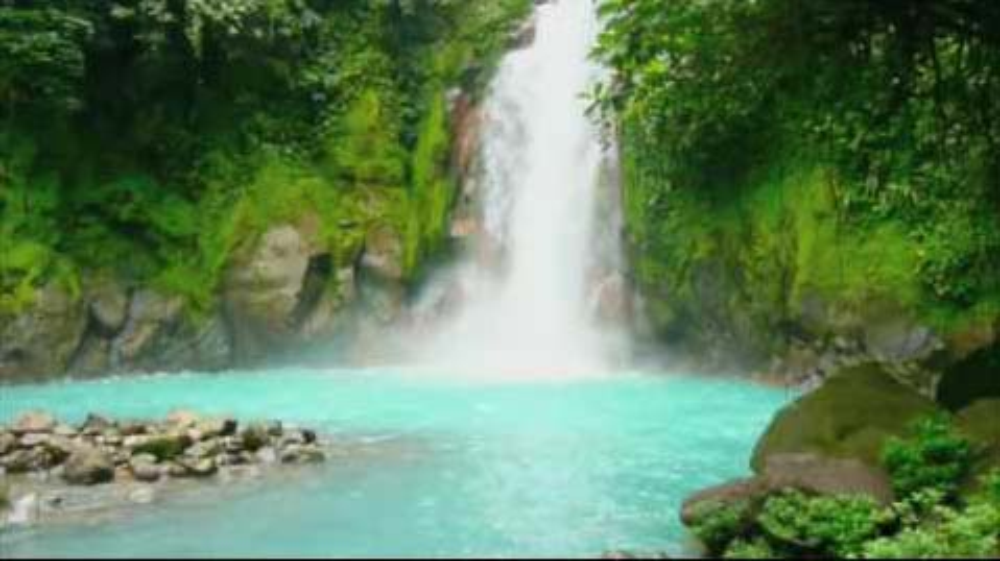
point(439, 467)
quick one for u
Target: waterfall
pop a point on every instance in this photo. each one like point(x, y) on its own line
point(522, 300)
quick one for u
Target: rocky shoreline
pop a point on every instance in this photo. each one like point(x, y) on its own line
point(49, 468)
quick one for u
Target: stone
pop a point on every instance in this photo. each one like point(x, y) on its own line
point(975, 377)
point(65, 431)
point(255, 437)
point(18, 461)
point(524, 35)
point(8, 442)
point(744, 491)
point(33, 439)
point(301, 454)
point(262, 291)
point(850, 417)
point(216, 427)
point(183, 419)
point(41, 340)
point(34, 422)
point(60, 448)
point(266, 455)
point(817, 475)
point(163, 447)
point(96, 424)
point(145, 469)
point(132, 428)
point(111, 438)
point(980, 422)
point(153, 321)
point(108, 307)
point(88, 466)
point(203, 467)
point(204, 449)
point(383, 254)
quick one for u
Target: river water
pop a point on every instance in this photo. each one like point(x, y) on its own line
point(435, 466)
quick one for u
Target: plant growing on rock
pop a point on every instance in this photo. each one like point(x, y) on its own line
point(717, 525)
point(935, 457)
point(835, 526)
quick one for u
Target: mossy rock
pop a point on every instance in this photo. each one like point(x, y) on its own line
point(980, 422)
point(850, 416)
point(164, 448)
point(975, 378)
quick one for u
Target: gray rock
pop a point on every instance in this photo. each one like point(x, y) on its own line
point(216, 427)
point(262, 291)
point(34, 422)
point(65, 431)
point(152, 320)
point(183, 419)
point(204, 449)
point(302, 454)
point(203, 467)
point(41, 340)
point(383, 254)
point(96, 424)
point(8, 442)
point(133, 428)
point(827, 476)
point(88, 466)
point(108, 307)
point(19, 461)
point(255, 437)
point(266, 455)
point(144, 468)
point(33, 439)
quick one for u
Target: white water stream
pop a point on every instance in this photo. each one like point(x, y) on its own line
point(526, 293)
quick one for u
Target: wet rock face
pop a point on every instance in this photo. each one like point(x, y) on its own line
point(850, 416)
point(42, 339)
point(88, 466)
point(282, 293)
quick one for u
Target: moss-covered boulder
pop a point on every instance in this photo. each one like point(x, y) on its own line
point(850, 416)
point(973, 378)
point(980, 422)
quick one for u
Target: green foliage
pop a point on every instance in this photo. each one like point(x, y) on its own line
point(836, 151)
point(947, 533)
point(834, 526)
point(156, 139)
point(717, 525)
point(936, 458)
point(754, 549)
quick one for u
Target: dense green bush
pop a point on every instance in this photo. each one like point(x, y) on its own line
point(936, 458)
point(717, 525)
point(800, 152)
point(153, 139)
point(832, 526)
point(929, 520)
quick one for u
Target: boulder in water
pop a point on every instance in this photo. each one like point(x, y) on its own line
point(850, 416)
point(34, 422)
point(88, 466)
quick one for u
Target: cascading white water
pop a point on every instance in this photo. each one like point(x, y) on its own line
point(541, 165)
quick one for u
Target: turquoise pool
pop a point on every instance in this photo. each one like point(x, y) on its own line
point(445, 466)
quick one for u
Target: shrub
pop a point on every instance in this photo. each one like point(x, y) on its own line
point(717, 524)
point(970, 533)
point(751, 549)
point(838, 525)
point(935, 457)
